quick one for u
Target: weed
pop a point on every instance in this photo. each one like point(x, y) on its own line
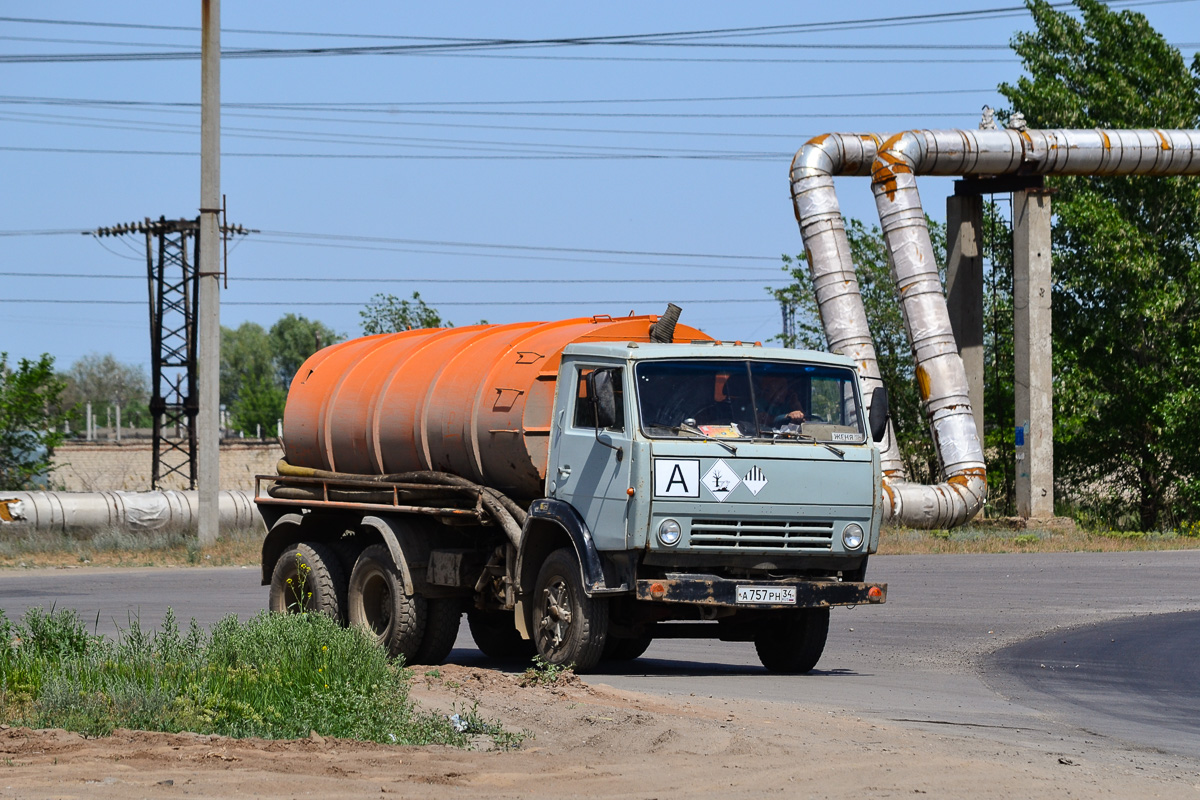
point(469, 723)
point(543, 673)
point(272, 676)
point(1024, 539)
point(300, 591)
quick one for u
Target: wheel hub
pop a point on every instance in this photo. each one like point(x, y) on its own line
point(556, 617)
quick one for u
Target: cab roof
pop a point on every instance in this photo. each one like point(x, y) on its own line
point(646, 351)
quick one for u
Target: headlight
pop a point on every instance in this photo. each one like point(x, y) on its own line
point(852, 536)
point(669, 532)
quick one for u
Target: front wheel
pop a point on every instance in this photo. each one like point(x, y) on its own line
point(569, 627)
point(379, 604)
point(793, 644)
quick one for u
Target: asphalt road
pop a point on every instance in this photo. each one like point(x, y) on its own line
point(958, 646)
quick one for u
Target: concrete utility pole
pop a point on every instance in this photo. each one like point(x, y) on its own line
point(209, 323)
point(964, 291)
point(1033, 374)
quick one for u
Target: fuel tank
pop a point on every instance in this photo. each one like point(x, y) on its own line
point(473, 401)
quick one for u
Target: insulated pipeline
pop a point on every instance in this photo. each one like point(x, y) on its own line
point(132, 511)
point(893, 167)
point(827, 248)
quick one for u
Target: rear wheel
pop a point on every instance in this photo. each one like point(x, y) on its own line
point(568, 626)
point(496, 635)
point(378, 603)
point(309, 577)
point(442, 618)
point(793, 645)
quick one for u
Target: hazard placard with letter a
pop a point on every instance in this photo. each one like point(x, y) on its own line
point(676, 477)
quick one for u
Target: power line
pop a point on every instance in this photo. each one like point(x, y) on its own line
point(379, 280)
point(763, 156)
point(356, 238)
point(464, 303)
point(493, 245)
point(822, 26)
point(389, 105)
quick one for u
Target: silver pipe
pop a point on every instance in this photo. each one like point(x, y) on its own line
point(940, 373)
point(941, 377)
point(827, 250)
point(893, 166)
point(132, 511)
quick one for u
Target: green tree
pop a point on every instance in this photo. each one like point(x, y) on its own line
point(31, 418)
point(386, 313)
point(104, 382)
point(258, 406)
point(246, 355)
point(1126, 267)
point(293, 339)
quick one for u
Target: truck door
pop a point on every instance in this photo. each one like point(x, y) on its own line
point(591, 463)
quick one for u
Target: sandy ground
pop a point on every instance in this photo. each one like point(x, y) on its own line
point(587, 741)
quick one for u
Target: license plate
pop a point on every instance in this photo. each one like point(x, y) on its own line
point(768, 595)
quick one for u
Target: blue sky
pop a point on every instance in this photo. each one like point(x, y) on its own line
point(502, 182)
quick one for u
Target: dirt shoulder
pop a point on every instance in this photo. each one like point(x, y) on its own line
point(586, 741)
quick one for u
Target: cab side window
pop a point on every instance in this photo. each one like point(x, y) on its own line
point(585, 405)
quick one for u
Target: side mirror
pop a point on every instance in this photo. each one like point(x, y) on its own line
point(601, 390)
point(603, 396)
point(879, 413)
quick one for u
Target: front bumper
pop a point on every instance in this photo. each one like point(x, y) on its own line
point(714, 591)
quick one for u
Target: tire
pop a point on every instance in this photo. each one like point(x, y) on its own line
point(309, 577)
point(625, 649)
point(377, 603)
point(442, 618)
point(568, 626)
point(793, 645)
point(496, 635)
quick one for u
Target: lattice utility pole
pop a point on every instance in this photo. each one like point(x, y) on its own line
point(172, 255)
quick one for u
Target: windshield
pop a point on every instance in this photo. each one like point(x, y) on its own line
point(748, 399)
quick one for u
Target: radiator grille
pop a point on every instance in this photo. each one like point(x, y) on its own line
point(759, 534)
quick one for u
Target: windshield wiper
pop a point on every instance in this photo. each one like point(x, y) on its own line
point(808, 437)
point(690, 429)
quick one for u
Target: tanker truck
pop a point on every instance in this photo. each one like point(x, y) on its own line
point(578, 489)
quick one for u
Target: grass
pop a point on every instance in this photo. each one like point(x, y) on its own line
point(275, 676)
point(984, 538)
point(170, 547)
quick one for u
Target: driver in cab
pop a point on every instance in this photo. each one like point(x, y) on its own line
point(780, 404)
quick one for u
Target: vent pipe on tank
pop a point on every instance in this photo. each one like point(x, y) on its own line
point(893, 167)
point(664, 329)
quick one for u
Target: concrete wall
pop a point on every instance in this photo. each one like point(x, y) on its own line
point(101, 466)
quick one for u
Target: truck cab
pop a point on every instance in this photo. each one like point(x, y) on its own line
point(718, 483)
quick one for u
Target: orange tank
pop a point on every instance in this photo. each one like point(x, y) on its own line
point(472, 401)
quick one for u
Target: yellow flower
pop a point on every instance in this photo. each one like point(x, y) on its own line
point(324, 647)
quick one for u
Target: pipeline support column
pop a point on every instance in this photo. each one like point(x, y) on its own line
point(964, 291)
point(1033, 372)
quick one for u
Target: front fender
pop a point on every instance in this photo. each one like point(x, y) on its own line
point(536, 544)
